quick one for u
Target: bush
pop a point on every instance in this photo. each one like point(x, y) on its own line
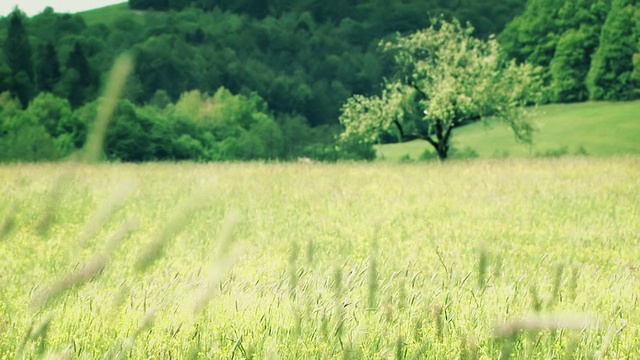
point(428, 155)
point(454, 154)
point(22, 137)
point(581, 151)
point(462, 154)
point(557, 152)
point(354, 150)
point(406, 158)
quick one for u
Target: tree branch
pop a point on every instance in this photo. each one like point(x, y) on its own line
point(461, 120)
point(416, 88)
point(431, 141)
point(403, 136)
point(409, 137)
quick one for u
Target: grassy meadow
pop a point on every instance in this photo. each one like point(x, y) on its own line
point(486, 259)
point(593, 128)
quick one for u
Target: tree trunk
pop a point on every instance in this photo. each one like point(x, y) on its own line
point(443, 135)
point(443, 151)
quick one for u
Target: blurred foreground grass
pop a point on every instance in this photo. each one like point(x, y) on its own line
point(522, 258)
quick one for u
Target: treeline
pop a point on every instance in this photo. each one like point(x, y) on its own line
point(198, 127)
point(588, 49)
point(378, 17)
point(47, 54)
point(303, 58)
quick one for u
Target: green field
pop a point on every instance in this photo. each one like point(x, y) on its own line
point(596, 128)
point(532, 258)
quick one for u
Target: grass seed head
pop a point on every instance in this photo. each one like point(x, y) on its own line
point(87, 271)
point(482, 268)
point(177, 221)
point(557, 283)
point(146, 322)
point(100, 217)
point(372, 284)
point(8, 221)
point(53, 201)
point(536, 301)
point(537, 322)
point(293, 269)
point(439, 320)
point(75, 278)
point(220, 264)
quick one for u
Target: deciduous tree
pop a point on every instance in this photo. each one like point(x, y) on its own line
point(610, 76)
point(445, 78)
point(569, 68)
point(17, 51)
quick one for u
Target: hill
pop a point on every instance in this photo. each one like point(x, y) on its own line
point(594, 128)
point(106, 15)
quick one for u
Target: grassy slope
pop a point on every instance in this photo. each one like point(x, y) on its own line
point(106, 15)
point(599, 128)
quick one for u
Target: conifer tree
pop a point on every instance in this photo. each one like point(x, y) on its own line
point(47, 67)
point(78, 80)
point(78, 61)
point(17, 51)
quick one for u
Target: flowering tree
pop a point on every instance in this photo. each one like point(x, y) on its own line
point(444, 78)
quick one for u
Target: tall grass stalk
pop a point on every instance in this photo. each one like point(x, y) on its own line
point(53, 201)
point(115, 84)
point(220, 264)
point(372, 275)
point(483, 263)
point(338, 301)
point(293, 269)
point(86, 271)
point(539, 322)
point(176, 222)
point(100, 217)
point(8, 220)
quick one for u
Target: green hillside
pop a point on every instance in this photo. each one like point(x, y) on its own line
point(595, 128)
point(105, 15)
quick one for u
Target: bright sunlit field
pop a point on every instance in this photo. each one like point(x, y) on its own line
point(520, 258)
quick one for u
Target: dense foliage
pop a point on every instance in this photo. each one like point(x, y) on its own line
point(304, 59)
point(199, 127)
point(444, 78)
point(587, 47)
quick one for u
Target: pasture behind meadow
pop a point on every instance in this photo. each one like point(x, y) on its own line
point(529, 258)
point(593, 128)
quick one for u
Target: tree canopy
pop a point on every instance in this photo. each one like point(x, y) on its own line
point(444, 78)
point(585, 47)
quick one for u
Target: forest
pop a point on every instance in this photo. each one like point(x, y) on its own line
point(243, 80)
